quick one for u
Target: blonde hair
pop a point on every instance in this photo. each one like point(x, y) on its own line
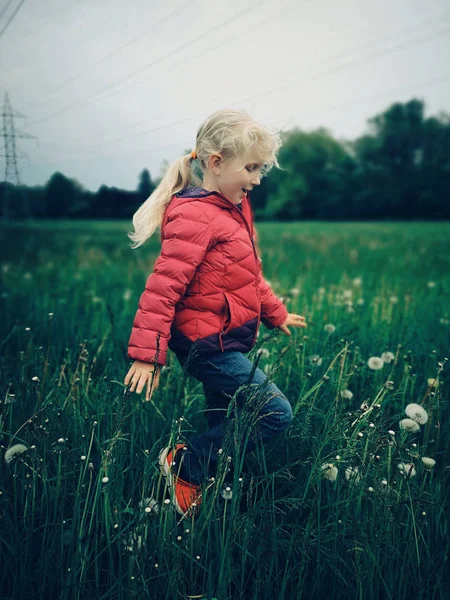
point(232, 133)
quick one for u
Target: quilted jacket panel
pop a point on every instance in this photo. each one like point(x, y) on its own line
point(207, 286)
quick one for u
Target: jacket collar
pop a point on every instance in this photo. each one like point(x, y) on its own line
point(245, 214)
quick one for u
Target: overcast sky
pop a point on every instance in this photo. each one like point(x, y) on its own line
point(112, 87)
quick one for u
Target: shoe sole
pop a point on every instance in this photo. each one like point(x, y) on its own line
point(167, 472)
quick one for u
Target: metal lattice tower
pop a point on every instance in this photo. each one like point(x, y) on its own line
point(9, 134)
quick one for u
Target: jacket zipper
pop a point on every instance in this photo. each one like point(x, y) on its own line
point(252, 238)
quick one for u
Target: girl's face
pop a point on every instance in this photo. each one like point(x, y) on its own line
point(234, 184)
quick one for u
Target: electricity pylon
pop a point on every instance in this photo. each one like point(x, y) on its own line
point(10, 133)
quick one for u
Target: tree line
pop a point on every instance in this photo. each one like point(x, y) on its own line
point(398, 170)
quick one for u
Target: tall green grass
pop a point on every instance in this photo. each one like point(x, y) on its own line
point(322, 510)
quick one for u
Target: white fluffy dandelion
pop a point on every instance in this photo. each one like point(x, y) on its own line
point(315, 360)
point(417, 412)
point(263, 352)
point(347, 394)
point(353, 474)
point(13, 451)
point(329, 471)
point(357, 281)
point(432, 382)
point(387, 357)
point(407, 469)
point(428, 462)
point(375, 363)
point(409, 425)
point(330, 328)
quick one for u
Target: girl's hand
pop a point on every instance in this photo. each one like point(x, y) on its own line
point(293, 320)
point(142, 373)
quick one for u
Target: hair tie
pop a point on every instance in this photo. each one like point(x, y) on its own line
point(193, 154)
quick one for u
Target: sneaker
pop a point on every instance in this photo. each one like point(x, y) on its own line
point(186, 496)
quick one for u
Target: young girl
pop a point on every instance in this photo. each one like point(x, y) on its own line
point(206, 296)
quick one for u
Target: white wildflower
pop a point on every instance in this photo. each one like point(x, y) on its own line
point(353, 474)
point(387, 357)
point(417, 412)
point(375, 363)
point(329, 471)
point(315, 360)
point(347, 394)
point(13, 451)
point(409, 425)
point(431, 284)
point(407, 469)
point(330, 328)
point(428, 462)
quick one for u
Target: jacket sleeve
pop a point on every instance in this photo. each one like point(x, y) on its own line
point(186, 238)
point(273, 311)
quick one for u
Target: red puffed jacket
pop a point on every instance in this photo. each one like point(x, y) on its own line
point(207, 286)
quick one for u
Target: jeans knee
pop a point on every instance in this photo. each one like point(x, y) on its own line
point(286, 414)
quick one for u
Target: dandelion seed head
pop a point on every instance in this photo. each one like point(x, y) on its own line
point(409, 425)
point(105, 479)
point(352, 473)
point(329, 471)
point(167, 501)
point(13, 451)
point(387, 357)
point(330, 328)
point(348, 394)
point(428, 462)
point(360, 434)
point(432, 382)
point(407, 469)
point(375, 363)
point(391, 432)
point(417, 412)
point(370, 489)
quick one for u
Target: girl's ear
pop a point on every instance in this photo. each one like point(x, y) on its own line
point(215, 162)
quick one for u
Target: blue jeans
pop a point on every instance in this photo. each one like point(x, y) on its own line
point(222, 374)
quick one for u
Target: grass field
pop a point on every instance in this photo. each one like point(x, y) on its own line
point(341, 505)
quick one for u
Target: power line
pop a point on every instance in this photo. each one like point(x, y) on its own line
point(424, 83)
point(129, 43)
point(12, 17)
point(331, 59)
point(5, 8)
point(191, 58)
point(258, 96)
point(148, 65)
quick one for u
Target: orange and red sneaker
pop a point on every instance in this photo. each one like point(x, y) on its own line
point(186, 496)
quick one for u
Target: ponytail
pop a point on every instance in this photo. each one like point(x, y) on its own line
point(150, 214)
